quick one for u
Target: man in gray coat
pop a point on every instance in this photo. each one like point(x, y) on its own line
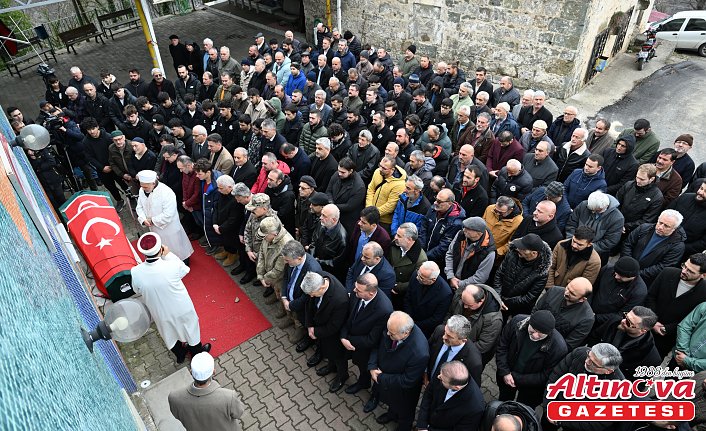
point(205, 405)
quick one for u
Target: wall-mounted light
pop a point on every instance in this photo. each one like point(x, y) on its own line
point(125, 321)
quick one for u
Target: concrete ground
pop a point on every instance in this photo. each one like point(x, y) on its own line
point(280, 392)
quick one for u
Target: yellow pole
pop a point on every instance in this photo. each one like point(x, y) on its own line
point(143, 13)
point(328, 13)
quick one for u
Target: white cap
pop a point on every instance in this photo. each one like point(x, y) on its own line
point(202, 366)
point(149, 244)
point(147, 176)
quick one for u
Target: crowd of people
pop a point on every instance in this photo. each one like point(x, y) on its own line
point(402, 216)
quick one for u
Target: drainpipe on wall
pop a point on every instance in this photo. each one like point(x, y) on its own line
point(338, 15)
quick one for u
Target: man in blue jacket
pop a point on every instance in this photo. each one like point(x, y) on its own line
point(583, 182)
point(412, 206)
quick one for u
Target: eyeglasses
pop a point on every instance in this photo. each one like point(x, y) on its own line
point(569, 113)
point(441, 202)
point(687, 270)
point(628, 323)
point(594, 364)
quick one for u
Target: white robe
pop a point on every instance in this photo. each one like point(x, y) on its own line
point(161, 207)
point(167, 299)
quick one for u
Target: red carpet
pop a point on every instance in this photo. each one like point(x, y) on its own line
point(224, 323)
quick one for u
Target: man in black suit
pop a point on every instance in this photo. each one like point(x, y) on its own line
point(373, 261)
point(673, 295)
point(451, 342)
point(453, 401)
point(199, 148)
point(243, 170)
point(299, 263)
point(428, 297)
point(368, 311)
point(324, 316)
point(397, 368)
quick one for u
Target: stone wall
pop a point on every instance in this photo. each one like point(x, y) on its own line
point(541, 44)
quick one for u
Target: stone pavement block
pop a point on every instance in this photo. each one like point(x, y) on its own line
point(312, 414)
point(279, 417)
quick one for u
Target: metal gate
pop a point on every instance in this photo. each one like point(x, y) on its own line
point(622, 32)
point(598, 45)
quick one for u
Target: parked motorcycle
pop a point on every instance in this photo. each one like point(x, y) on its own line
point(647, 50)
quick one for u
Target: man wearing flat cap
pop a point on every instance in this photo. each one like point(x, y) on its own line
point(157, 210)
point(205, 405)
point(471, 254)
point(529, 348)
point(158, 280)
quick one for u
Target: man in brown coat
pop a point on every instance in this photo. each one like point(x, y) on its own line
point(205, 405)
point(574, 257)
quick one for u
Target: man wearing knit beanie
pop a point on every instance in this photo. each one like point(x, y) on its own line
point(409, 63)
point(528, 346)
point(684, 164)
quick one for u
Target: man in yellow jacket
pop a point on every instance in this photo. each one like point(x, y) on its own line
point(384, 190)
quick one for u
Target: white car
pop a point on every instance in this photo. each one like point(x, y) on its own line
point(687, 29)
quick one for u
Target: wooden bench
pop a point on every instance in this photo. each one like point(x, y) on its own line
point(113, 21)
point(39, 54)
point(79, 34)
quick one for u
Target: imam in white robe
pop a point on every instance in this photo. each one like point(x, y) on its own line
point(161, 207)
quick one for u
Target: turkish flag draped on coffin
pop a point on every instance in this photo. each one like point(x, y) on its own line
point(95, 227)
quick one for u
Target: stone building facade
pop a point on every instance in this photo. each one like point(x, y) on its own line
point(541, 44)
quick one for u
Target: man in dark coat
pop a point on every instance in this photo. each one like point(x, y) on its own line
point(619, 163)
point(536, 111)
point(673, 295)
point(281, 193)
point(366, 230)
point(656, 246)
point(463, 410)
point(443, 222)
point(632, 335)
point(397, 368)
point(561, 129)
point(470, 195)
point(368, 311)
point(451, 342)
point(523, 273)
point(542, 223)
point(693, 207)
point(299, 263)
point(180, 56)
point(243, 170)
point(428, 297)
point(640, 199)
point(571, 155)
point(569, 306)
point(618, 288)
point(512, 181)
point(347, 190)
point(325, 314)
point(603, 361)
point(372, 261)
point(529, 348)
point(329, 239)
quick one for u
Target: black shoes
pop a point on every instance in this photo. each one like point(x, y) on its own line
point(269, 291)
point(206, 347)
point(119, 205)
point(337, 384)
point(237, 270)
point(355, 388)
point(371, 404)
point(314, 360)
point(386, 417)
point(247, 278)
point(325, 370)
point(304, 344)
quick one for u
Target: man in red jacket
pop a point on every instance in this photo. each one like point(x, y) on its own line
point(191, 198)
